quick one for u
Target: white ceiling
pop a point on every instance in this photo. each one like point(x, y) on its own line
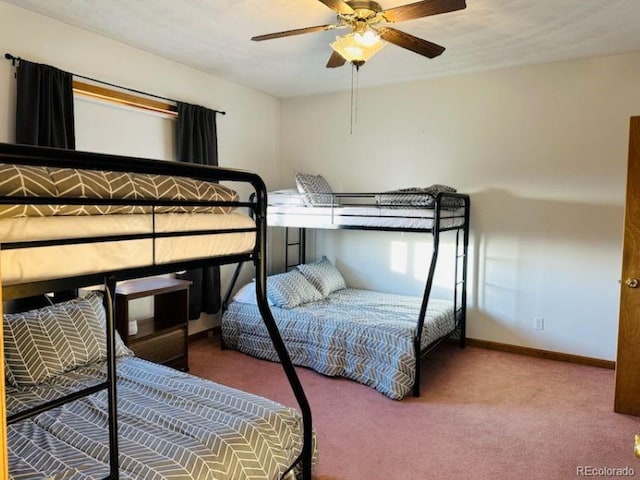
point(213, 36)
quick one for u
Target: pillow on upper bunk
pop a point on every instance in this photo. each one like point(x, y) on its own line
point(40, 344)
point(418, 197)
point(291, 289)
point(411, 197)
point(21, 181)
point(98, 184)
point(315, 188)
point(323, 275)
point(167, 187)
point(436, 188)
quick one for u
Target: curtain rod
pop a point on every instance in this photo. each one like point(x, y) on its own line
point(15, 59)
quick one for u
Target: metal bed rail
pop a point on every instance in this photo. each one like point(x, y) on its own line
point(457, 207)
point(59, 158)
point(461, 251)
point(343, 208)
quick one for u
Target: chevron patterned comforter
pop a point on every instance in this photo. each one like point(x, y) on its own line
point(359, 334)
point(172, 425)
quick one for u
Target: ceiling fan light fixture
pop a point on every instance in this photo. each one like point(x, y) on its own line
point(369, 37)
point(358, 47)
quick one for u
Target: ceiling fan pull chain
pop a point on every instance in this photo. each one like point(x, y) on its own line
point(357, 89)
point(351, 105)
point(354, 95)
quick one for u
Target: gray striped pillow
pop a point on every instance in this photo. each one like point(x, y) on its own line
point(315, 187)
point(16, 180)
point(288, 290)
point(46, 342)
point(323, 275)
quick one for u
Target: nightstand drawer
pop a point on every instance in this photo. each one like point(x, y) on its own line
point(162, 348)
point(163, 337)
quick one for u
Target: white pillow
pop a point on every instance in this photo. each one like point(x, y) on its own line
point(285, 197)
point(247, 294)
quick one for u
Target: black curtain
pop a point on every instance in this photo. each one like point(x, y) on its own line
point(44, 107)
point(44, 117)
point(198, 143)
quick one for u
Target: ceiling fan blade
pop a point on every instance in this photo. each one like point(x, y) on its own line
point(415, 44)
point(336, 60)
point(339, 6)
point(297, 31)
point(422, 9)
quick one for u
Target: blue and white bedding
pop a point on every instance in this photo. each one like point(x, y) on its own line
point(172, 425)
point(359, 334)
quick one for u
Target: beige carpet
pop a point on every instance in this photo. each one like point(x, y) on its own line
point(482, 415)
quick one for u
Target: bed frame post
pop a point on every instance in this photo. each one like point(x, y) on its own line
point(4, 460)
point(109, 300)
point(425, 296)
point(303, 246)
point(227, 297)
point(465, 258)
point(274, 333)
point(461, 322)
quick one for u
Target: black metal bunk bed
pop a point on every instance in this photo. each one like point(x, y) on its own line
point(57, 158)
point(449, 212)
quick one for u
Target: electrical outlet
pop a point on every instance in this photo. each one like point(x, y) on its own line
point(538, 323)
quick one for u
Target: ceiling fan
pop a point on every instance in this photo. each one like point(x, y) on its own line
point(366, 20)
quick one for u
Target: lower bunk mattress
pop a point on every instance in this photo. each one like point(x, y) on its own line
point(359, 334)
point(171, 425)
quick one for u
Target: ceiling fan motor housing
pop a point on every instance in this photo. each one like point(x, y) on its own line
point(365, 13)
point(365, 10)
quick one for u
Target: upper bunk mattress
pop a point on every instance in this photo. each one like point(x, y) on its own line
point(361, 216)
point(290, 208)
point(42, 263)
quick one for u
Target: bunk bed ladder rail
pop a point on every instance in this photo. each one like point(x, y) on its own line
point(287, 365)
point(300, 243)
point(425, 297)
point(460, 278)
point(461, 318)
point(258, 211)
point(109, 300)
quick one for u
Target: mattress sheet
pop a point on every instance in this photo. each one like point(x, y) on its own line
point(172, 425)
point(31, 264)
point(359, 334)
point(362, 216)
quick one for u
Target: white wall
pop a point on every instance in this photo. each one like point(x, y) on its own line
point(248, 135)
point(542, 150)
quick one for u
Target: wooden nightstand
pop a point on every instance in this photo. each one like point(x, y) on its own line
point(163, 337)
